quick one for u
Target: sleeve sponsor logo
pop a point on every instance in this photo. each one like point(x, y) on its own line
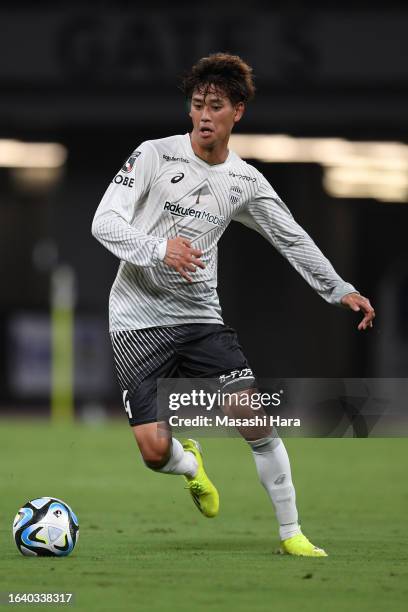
point(128, 165)
point(126, 181)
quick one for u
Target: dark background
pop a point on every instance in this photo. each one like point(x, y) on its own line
point(102, 77)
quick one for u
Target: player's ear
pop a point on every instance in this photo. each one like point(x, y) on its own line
point(239, 111)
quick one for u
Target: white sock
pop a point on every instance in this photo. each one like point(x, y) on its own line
point(180, 461)
point(272, 464)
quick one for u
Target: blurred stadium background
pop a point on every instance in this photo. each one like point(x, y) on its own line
point(84, 84)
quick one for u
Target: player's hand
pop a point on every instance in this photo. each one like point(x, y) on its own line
point(358, 302)
point(181, 256)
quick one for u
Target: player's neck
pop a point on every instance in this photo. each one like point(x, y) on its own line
point(211, 155)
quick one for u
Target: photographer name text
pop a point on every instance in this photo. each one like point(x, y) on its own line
point(226, 421)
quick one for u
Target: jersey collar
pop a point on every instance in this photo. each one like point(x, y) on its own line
point(200, 161)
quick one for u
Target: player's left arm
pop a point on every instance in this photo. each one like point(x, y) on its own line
point(358, 302)
point(270, 217)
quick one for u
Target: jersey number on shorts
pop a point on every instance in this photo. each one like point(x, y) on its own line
point(127, 404)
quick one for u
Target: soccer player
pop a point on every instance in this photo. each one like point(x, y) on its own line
point(162, 216)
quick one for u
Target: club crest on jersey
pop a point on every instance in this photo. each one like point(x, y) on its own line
point(235, 194)
point(128, 165)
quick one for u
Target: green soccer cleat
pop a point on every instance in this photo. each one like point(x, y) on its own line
point(300, 546)
point(203, 492)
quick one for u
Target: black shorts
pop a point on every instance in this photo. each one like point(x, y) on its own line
point(197, 350)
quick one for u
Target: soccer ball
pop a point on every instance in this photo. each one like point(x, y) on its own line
point(45, 527)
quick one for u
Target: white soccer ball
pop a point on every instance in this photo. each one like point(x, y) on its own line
point(45, 527)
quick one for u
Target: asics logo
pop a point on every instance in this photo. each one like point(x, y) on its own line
point(178, 177)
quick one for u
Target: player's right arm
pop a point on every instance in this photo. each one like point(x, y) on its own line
point(112, 223)
point(182, 257)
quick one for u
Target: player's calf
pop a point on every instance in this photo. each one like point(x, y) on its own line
point(161, 452)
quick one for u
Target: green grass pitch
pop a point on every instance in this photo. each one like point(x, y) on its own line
point(143, 545)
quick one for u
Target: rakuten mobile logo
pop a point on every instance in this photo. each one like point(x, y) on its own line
point(181, 211)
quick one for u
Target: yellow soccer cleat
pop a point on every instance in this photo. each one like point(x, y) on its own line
point(203, 492)
point(300, 546)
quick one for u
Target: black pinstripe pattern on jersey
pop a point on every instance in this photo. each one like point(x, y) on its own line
point(132, 223)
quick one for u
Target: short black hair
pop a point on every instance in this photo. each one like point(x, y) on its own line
point(226, 73)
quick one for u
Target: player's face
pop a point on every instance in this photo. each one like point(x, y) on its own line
point(213, 117)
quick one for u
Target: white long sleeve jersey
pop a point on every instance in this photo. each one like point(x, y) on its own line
point(164, 190)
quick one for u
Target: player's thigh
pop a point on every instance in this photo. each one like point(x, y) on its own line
point(213, 351)
point(141, 358)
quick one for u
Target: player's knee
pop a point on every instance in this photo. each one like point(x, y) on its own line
point(154, 444)
point(155, 455)
point(155, 462)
